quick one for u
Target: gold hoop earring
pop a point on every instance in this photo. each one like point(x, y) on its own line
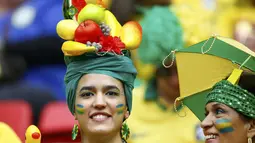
point(125, 132)
point(75, 131)
point(249, 140)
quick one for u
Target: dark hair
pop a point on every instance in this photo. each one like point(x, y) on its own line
point(247, 82)
point(162, 71)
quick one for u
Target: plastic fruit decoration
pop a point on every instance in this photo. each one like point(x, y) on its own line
point(113, 23)
point(33, 135)
point(113, 44)
point(88, 31)
point(95, 29)
point(66, 29)
point(79, 4)
point(92, 12)
point(71, 8)
point(131, 35)
point(103, 3)
point(73, 48)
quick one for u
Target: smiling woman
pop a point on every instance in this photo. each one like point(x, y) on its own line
point(100, 73)
point(99, 99)
point(230, 111)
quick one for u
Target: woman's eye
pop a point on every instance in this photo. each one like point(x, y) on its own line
point(86, 94)
point(219, 111)
point(112, 93)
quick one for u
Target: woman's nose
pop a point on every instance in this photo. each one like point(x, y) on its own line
point(207, 122)
point(99, 101)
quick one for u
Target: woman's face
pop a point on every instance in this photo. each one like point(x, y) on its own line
point(100, 105)
point(168, 83)
point(224, 125)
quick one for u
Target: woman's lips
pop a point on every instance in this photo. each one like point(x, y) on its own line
point(99, 118)
point(211, 138)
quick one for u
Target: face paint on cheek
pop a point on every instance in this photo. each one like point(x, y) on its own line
point(224, 125)
point(120, 108)
point(80, 109)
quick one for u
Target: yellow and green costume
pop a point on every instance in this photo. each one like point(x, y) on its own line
point(208, 63)
point(157, 121)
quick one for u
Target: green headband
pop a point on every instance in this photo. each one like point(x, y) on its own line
point(117, 66)
point(233, 96)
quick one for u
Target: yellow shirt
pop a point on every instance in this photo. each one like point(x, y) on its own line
point(150, 124)
point(7, 135)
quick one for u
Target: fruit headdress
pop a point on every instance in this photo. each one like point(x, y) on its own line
point(90, 27)
point(97, 43)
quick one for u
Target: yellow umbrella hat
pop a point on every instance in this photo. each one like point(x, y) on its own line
point(204, 64)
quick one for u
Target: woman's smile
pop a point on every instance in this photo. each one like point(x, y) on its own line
point(100, 116)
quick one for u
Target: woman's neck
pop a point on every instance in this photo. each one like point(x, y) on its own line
point(99, 138)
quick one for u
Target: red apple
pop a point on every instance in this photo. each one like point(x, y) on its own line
point(88, 31)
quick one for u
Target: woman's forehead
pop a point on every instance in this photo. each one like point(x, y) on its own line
point(98, 80)
point(212, 105)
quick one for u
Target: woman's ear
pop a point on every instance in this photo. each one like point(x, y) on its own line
point(75, 117)
point(251, 129)
point(126, 115)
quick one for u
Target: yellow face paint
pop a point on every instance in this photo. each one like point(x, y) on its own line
point(120, 108)
point(80, 109)
point(224, 125)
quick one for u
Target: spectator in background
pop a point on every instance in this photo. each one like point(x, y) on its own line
point(28, 42)
point(31, 62)
point(31, 34)
point(154, 118)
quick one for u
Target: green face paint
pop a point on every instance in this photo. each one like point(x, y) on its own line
point(80, 109)
point(224, 125)
point(120, 108)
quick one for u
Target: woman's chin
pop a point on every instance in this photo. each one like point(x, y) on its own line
point(101, 129)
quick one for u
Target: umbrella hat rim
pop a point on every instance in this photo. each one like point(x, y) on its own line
point(232, 51)
point(217, 46)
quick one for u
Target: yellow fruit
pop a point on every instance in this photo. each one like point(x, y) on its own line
point(72, 48)
point(113, 23)
point(66, 29)
point(106, 3)
point(91, 12)
point(33, 135)
point(131, 35)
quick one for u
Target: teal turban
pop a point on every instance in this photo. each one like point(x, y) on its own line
point(120, 67)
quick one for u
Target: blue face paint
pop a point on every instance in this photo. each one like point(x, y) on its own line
point(120, 108)
point(224, 125)
point(80, 109)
